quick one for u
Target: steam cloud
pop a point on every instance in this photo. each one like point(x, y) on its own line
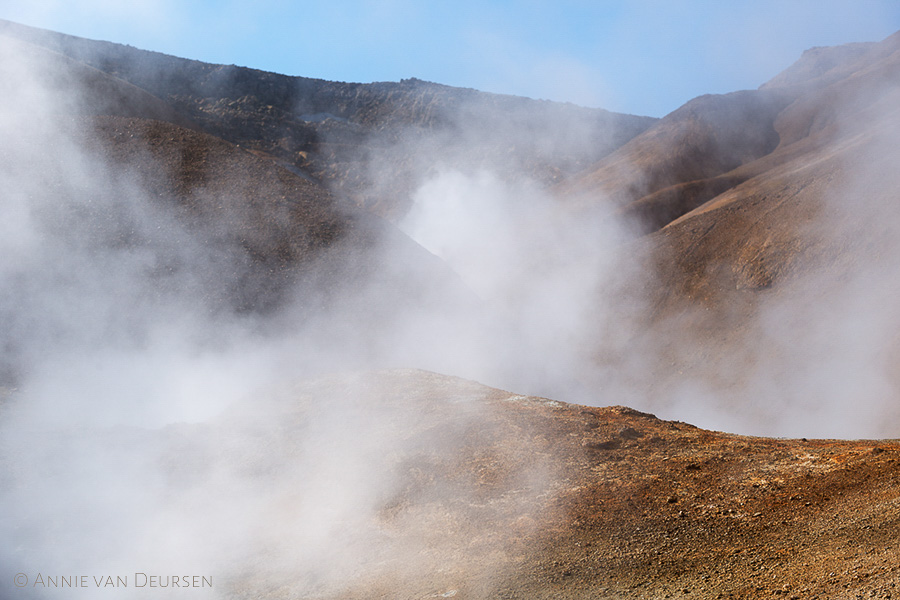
point(151, 426)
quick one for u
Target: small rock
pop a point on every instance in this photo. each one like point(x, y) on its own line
point(630, 433)
point(601, 445)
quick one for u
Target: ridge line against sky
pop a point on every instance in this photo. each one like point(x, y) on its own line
point(639, 57)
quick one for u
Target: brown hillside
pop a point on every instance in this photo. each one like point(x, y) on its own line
point(748, 236)
point(365, 141)
point(714, 143)
point(289, 230)
point(816, 62)
point(98, 93)
point(494, 495)
point(706, 137)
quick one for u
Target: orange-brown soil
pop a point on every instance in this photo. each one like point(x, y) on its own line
point(505, 496)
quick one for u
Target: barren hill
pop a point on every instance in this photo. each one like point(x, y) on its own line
point(334, 131)
point(771, 233)
point(714, 143)
point(809, 224)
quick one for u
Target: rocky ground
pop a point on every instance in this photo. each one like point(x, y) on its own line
point(503, 496)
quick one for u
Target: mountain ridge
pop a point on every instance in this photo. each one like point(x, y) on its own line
point(264, 111)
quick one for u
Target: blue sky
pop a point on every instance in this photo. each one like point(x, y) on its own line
point(643, 57)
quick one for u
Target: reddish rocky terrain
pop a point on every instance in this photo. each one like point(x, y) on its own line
point(496, 495)
point(402, 483)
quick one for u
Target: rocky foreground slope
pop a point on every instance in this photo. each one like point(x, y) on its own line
point(409, 484)
point(496, 495)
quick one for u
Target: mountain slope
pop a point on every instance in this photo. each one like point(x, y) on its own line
point(362, 139)
point(707, 137)
point(829, 140)
point(703, 149)
point(770, 299)
point(122, 212)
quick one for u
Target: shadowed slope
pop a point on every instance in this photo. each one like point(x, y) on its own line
point(365, 140)
point(78, 88)
point(130, 209)
point(714, 143)
point(708, 136)
point(294, 241)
